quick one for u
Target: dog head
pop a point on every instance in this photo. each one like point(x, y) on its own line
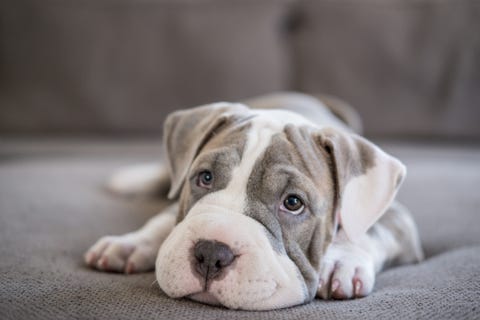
point(261, 196)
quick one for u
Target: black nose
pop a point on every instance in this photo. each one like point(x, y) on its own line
point(211, 258)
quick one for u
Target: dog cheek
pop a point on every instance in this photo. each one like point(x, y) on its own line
point(262, 280)
point(173, 272)
point(316, 239)
point(246, 285)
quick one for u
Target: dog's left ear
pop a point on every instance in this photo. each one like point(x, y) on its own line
point(185, 132)
point(366, 178)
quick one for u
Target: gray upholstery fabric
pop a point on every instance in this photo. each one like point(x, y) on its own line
point(411, 67)
point(109, 66)
point(53, 207)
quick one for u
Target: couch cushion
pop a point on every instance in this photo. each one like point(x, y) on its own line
point(53, 207)
point(410, 67)
point(109, 66)
point(440, 191)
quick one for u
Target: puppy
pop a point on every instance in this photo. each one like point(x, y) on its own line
point(276, 201)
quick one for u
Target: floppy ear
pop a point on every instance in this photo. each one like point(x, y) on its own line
point(187, 131)
point(366, 177)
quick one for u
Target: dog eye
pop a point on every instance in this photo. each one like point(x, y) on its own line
point(293, 204)
point(205, 179)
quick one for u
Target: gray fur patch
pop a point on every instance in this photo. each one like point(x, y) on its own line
point(219, 155)
point(399, 222)
point(294, 164)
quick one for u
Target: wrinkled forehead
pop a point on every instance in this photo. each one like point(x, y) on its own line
point(266, 144)
point(293, 153)
point(228, 142)
point(262, 128)
point(253, 130)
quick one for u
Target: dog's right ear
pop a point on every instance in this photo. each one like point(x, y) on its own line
point(187, 131)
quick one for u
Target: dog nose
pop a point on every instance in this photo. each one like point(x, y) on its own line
point(211, 258)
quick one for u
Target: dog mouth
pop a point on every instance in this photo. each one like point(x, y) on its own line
point(205, 297)
point(227, 260)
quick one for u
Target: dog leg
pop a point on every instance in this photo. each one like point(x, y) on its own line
point(136, 251)
point(348, 269)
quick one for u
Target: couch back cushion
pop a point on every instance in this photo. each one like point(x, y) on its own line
point(121, 66)
point(410, 67)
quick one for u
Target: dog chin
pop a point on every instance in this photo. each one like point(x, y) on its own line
point(205, 297)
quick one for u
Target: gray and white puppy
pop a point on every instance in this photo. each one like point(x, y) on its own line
point(277, 201)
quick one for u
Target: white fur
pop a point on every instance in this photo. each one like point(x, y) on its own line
point(260, 278)
point(134, 251)
point(350, 266)
point(351, 263)
point(367, 196)
point(138, 180)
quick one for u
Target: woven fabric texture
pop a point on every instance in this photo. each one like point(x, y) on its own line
point(53, 207)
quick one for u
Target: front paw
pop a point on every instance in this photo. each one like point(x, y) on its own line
point(346, 273)
point(127, 253)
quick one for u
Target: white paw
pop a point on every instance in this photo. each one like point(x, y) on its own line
point(346, 272)
point(127, 253)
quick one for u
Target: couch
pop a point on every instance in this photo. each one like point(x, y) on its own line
point(84, 87)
